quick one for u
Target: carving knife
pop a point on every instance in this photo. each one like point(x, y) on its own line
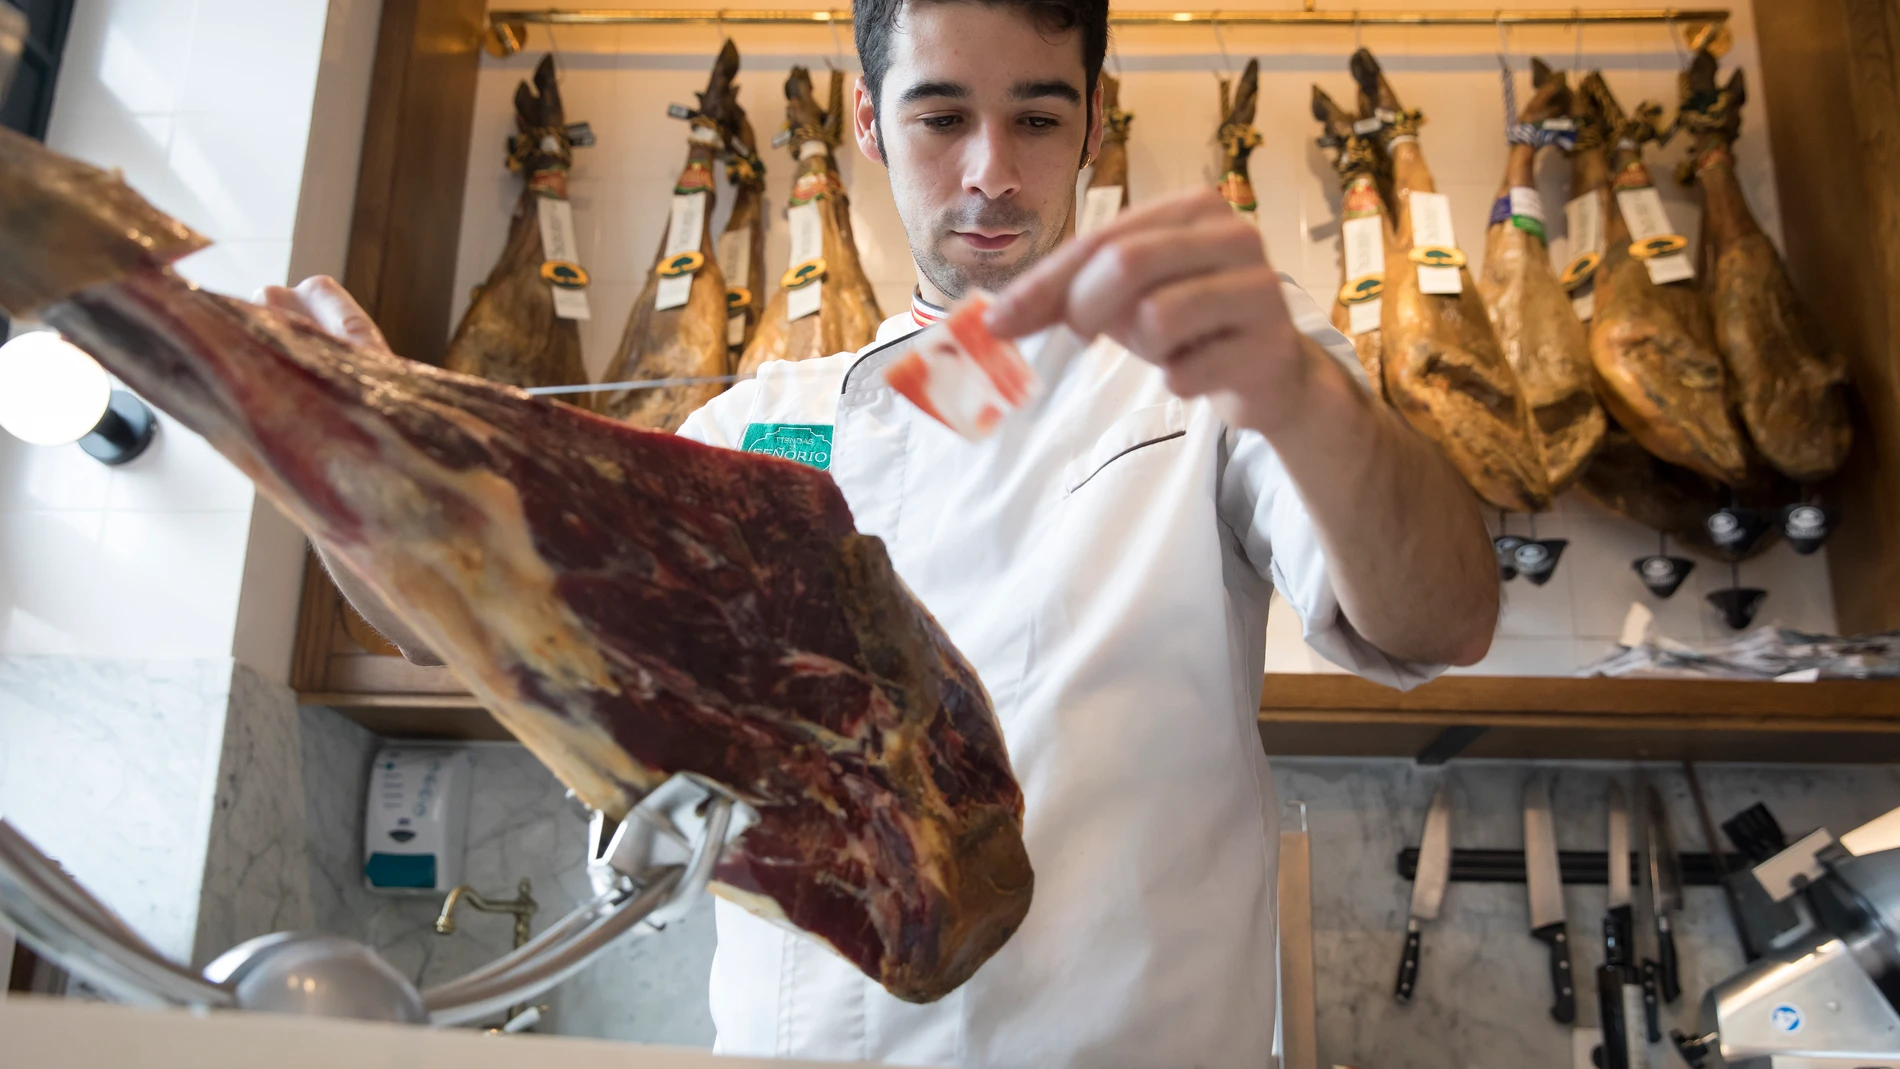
point(1547, 896)
point(1428, 886)
point(1632, 1002)
point(1665, 894)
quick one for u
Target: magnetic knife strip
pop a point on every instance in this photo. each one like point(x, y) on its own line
point(1577, 866)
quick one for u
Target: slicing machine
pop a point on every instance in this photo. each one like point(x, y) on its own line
point(1828, 995)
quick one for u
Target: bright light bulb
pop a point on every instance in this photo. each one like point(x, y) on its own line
point(51, 393)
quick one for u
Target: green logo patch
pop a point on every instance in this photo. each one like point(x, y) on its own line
point(807, 443)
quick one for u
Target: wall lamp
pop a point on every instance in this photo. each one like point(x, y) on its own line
point(52, 393)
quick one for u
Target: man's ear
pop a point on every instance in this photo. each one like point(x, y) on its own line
point(864, 122)
point(1094, 146)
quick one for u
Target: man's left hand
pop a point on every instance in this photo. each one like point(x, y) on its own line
point(1184, 283)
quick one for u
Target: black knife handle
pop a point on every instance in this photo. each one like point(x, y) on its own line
point(1564, 1009)
point(1408, 965)
point(1666, 965)
point(1652, 1007)
point(1619, 928)
point(1616, 1050)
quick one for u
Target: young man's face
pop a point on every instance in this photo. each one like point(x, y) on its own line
point(984, 124)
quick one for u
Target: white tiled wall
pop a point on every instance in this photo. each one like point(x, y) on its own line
point(206, 106)
point(621, 79)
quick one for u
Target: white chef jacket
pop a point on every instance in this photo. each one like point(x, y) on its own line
point(1103, 561)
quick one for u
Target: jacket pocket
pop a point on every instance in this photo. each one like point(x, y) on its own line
point(1138, 430)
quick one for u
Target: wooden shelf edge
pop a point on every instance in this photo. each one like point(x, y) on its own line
point(1630, 702)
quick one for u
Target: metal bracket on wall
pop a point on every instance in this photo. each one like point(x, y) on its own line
point(1577, 866)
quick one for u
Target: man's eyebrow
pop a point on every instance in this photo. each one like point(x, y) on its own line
point(932, 91)
point(1056, 87)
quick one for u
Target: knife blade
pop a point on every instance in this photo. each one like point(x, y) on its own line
point(1545, 883)
point(1428, 887)
point(1619, 924)
point(1665, 891)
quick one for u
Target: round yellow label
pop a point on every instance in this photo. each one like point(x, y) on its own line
point(1363, 289)
point(565, 274)
point(810, 271)
point(1438, 256)
point(738, 297)
point(1580, 270)
point(1660, 245)
point(684, 263)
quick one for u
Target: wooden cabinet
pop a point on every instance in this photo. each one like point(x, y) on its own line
point(1832, 99)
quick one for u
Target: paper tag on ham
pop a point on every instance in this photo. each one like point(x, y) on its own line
point(960, 374)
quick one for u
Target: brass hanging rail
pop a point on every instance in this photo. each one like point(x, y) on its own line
point(508, 30)
point(1471, 17)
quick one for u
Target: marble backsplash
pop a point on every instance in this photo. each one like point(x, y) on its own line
point(1483, 989)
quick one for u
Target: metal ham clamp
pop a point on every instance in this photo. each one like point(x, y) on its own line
point(647, 872)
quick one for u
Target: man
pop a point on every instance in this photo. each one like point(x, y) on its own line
point(1104, 559)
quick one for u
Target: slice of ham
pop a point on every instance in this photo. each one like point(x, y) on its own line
point(510, 332)
point(1444, 369)
point(686, 341)
point(629, 604)
point(847, 316)
point(1538, 330)
point(960, 374)
point(1652, 346)
point(1790, 388)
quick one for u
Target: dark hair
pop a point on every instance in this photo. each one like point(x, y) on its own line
point(873, 20)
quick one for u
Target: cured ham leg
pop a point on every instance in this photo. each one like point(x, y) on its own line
point(1107, 191)
point(742, 245)
point(1238, 138)
point(511, 332)
point(677, 328)
point(819, 218)
point(1539, 332)
point(629, 604)
point(1790, 389)
point(1357, 158)
point(1444, 369)
point(1651, 345)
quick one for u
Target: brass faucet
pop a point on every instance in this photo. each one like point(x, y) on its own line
point(523, 906)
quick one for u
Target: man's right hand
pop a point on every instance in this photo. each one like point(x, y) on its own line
point(324, 301)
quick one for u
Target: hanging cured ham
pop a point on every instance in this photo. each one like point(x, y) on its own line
point(677, 328)
point(1530, 311)
point(1651, 344)
point(1238, 138)
point(629, 604)
point(1365, 230)
point(1107, 191)
point(1443, 367)
point(742, 244)
point(522, 327)
point(1790, 389)
point(824, 303)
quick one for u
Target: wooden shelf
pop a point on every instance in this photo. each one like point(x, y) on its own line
point(1608, 719)
point(1483, 716)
